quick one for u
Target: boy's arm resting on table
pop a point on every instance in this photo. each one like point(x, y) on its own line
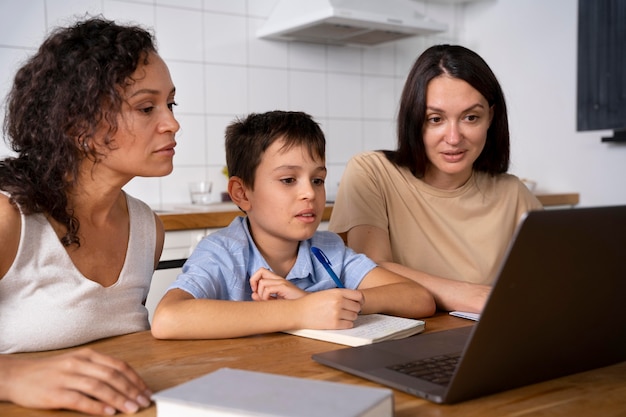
point(449, 294)
point(389, 293)
point(181, 316)
point(81, 380)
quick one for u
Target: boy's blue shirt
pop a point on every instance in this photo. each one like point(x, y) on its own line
point(221, 265)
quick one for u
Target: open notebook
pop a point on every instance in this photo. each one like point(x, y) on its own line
point(368, 329)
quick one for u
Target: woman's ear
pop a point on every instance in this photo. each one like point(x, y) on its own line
point(238, 193)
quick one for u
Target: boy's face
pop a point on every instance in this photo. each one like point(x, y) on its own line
point(289, 197)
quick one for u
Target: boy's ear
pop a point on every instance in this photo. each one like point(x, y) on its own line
point(238, 193)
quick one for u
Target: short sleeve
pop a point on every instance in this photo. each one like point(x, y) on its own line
point(361, 198)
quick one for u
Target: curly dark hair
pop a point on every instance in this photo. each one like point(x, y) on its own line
point(59, 100)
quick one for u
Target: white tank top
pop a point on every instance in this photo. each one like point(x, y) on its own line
point(46, 303)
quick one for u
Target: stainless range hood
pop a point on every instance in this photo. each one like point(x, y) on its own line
point(341, 22)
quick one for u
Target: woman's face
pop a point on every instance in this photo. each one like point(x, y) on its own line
point(144, 142)
point(454, 131)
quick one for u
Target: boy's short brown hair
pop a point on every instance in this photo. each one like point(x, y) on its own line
point(248, 138)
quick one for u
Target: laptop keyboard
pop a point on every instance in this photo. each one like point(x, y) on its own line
point(438, 369)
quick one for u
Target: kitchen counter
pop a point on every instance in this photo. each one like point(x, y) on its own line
point(211, 216)
point(186, 217)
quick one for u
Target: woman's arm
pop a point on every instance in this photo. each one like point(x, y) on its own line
point(160, 239)
point(448, 294)
point(10, 230)
point(389, 293)
point(81, 380)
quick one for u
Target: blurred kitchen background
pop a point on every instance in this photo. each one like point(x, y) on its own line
point(222, 70)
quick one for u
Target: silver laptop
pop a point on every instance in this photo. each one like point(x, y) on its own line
point(557, 308)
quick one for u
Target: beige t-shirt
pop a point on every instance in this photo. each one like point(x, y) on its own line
point(459, 234)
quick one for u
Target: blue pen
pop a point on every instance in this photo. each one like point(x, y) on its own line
point(321, 256)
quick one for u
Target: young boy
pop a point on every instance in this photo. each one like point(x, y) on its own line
point(259, 275)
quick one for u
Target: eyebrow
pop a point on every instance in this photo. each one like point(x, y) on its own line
point(319, 168)
point(150, 91)
point(472, 107)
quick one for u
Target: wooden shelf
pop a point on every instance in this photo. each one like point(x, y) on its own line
point(570, 199)
point(208, 219)
point(221, 215)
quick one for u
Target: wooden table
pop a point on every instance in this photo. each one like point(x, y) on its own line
point(163, 364)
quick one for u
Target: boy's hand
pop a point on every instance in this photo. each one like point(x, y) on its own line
point(82, 380)
point(266, 285)
point(330, 309)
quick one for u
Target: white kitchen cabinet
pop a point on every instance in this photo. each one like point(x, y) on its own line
point(178, 245)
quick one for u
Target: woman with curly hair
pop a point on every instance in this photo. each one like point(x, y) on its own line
point(88, 112)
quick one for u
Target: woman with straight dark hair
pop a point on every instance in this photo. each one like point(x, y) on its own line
point(441, 208)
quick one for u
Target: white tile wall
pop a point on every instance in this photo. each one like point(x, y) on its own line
point(221, 70)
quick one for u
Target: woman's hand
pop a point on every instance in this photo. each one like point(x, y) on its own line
point(266, 285)
point(82, 380)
